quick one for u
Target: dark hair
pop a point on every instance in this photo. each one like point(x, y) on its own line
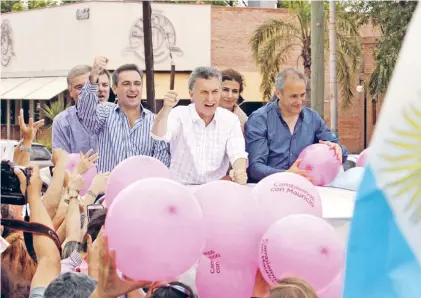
point(13, 285)
point(170, 291)
point(71, 285)
point(233, 75)
point(94, 226)
point(123, 68)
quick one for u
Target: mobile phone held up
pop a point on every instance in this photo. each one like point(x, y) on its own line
point(92, 209)
point(10, 184)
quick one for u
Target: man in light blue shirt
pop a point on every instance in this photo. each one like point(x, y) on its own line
point(69, 133)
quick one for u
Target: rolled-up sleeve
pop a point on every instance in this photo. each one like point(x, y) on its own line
point(59, 138)
point(236, 146)
point(323, 133)
point(173, 126)
point(258, 148)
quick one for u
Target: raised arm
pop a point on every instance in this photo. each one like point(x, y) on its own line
point(258, 148)
point(92, 113)
point(22, 157)
point(166, 124)
point(48, 255)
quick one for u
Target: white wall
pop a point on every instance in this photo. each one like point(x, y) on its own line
point(52, 39)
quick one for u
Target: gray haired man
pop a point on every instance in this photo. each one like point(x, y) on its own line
point(204, 139)
point(68, 131)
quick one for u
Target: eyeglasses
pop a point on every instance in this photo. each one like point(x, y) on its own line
point(175, 287)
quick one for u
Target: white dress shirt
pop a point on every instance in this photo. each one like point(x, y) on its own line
point(199, 153)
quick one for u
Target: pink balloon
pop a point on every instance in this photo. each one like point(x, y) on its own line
point(156, 227)
point(334, 289)
point(362, 158)
point(321, 160)
point(229, 214)
point(216, 279)
point(302, 246)
point(283, 194)
point(133, 169)
point(87, 177)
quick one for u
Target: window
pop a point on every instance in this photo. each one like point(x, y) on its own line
point(40, 153)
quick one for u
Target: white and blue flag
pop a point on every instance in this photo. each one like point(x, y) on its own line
point(384, 249)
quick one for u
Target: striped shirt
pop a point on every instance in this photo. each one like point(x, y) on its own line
point(116, 139)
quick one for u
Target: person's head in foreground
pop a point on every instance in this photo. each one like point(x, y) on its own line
point(232, 86)
point(205, 91)
point(70, 285)
point(172, 290)
point(290, 87)
point(292, 287)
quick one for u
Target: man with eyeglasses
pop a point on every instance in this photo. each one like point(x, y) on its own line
point(69, 133)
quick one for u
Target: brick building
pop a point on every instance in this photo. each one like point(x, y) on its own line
point(218, 35)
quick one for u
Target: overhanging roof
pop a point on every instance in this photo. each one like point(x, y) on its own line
point(43, 88)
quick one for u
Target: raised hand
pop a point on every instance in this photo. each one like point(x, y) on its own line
point(171, 99)
point(29, 131)
point(86, 161)
point(100, 63)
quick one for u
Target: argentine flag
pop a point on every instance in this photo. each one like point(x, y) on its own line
point(384, 250)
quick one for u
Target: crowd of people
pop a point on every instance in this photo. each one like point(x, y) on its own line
point(210, 139)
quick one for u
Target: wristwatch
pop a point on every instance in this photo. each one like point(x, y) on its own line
point(23, 148)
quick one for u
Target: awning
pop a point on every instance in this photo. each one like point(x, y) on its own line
point(48, 91)
point(43, 88)
point(9, 84)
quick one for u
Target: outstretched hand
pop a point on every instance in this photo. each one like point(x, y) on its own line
point(110, 285)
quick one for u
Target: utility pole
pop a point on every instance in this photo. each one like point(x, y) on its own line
point(333, 79)
point(147, 40)
point(317, 57)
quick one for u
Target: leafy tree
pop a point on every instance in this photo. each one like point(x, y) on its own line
point(274, 41)
point(392, 18)
point(6, 6)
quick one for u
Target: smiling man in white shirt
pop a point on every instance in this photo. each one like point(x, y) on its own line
point(204, 139)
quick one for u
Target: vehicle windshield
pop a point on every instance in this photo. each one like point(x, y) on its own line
point(40, 153)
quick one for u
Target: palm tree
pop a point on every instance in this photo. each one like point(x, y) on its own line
point(274, 41)
point(54, 109)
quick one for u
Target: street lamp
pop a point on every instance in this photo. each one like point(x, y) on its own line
point(360, 88)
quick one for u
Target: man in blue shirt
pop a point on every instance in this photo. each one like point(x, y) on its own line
point(276, 133)
point(69, 133)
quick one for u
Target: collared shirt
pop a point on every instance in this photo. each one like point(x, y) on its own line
point(271, 146)
point(116, 139)
point(200, 153)
point(70, 134)
point(241, 116)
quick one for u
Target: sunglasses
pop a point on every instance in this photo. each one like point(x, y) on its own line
point(175, 287)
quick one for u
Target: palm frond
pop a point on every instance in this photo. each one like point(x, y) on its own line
point(278, 53)
point(54, 109)
point(345, 77)
point(274, 28)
